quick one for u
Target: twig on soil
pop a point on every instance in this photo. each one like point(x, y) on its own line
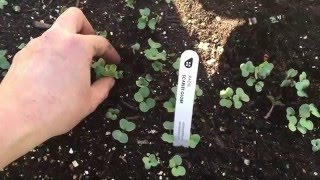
point(269, 112)
point(77, 3)
point(41, 25)
point(129, 105)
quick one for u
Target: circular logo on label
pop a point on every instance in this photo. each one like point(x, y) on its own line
point(188, 63)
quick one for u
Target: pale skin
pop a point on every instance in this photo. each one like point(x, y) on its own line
point(47, 90)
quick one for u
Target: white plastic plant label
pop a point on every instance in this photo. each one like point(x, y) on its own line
point(186, 87)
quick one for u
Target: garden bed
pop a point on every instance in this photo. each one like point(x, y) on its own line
point(235, 143)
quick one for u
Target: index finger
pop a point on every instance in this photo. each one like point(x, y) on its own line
point(74, 21)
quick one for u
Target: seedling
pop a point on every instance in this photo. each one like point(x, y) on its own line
point(21, 46)
point(176, 168)
point(135, 47)
point(176, 64)
point(145, 103)
point(157, 66)
point(150, 161)
point(228, 98)
point(274, 102)
point(112, 113)
point(256, 74)
point(102, 69)
point(302, 85)
point(153, 53)
point(142, 82)
point(4, 63)
point(144, 20)
point(168, 125)
point(168, 1)
point(290, 74)
point(167, 137)
point(130, 3)
point(3, 3)
point(315, 145)
point(170, 105)
point(120, 135)
point(148, 78)
point(305, 112)
point(102, 33)
point(194, 140)
point(198, 92)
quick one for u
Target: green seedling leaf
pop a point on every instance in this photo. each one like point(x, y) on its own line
point(290, 111)
point(304, 111)
point(174, 90)
point(151, 103)
point(286, 83)
point(247, 68)
point(242, 95)
point(152, 23)
point(303, 76)
point(143, 106)
point(292, 127)
point(198, 91)
point(142, 82)
point(259, 86)
point(315, 145)
point(149, 78)
point(142, 23)
point(145, 12)
point(130, 3)
point(291, 73)
point(138, 97)
point(168, 125)
point(21, 46)
point(150, 161)
point(157, 66)
point(237, 102)
point(153, 44)
point(301, 129)
point(144, 91)
point(176, 64)
point(4, 63)
point(306, 124)
point(170, 105)
point(120, 136)
point(225, 103)
point(135, 47)
point(263, 70)
point(227, 93)
point(167, 137)
point(102, 33)
point(178, 171)
point(127, 125)
point(250, 82)
point(175, 161)
point(112, 114)
point(314, 110)
point(3, 3)
point(194, 140)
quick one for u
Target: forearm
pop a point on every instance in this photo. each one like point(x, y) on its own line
point(17, 132)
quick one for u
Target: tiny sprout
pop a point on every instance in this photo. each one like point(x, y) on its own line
point(167, 137)
point(146, 105)
point(102, 69)
point(194, 140)
point(150, 161)
point(274, 102)
point(130, 3)
point(239, 97)
point(144, 20)
point(305, 111)
point(141, 82)
point(4, 63)
point(176, 168)
point(315, 145)
point(255, 74)
point(168, 1)
point(112, 113)
point(3, 3)
point(157, 66)
point(168, 125)
point(149, 77)
point(302, 85)
point(141, 94)
point(228, 98)
point(176, 64)
point(198, 92)
point(135, 47)
point(21, 46)
point(170, 105)
point(153, 53)
point(290, 74)
point(102, 33)
point(125, 125)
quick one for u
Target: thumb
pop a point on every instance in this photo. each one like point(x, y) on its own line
point(100, 91)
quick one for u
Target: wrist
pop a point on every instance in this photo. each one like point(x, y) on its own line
point(18, 131)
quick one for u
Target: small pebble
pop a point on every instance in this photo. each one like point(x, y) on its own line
point(75, 163)
point(246, 162)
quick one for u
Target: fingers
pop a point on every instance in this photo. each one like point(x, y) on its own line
point(100, 91)
point(74, 21)
point(101, 47)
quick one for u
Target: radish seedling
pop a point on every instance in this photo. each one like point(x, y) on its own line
point(130, 3)
point(256, 74)
point(305, 112)
point(135, 47)
point(274, 102)
point(302, 85)
point(176, 168)
point(150, 161)
point(315, 145)
point(112, 113)
point(4, 63)
point(102, 33)
point(153, 53)
point(3, 3)
point(144, 20)
point(126, 126)
point(142, 95)
point(170, 105)
point(102, 69)
point(290, 74)
point(228, 98)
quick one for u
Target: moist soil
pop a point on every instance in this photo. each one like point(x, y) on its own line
point(235, 144)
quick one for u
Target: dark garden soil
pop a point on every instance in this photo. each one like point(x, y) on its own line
point(235, 144)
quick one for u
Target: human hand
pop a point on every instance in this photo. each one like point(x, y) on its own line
point(48, 84)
